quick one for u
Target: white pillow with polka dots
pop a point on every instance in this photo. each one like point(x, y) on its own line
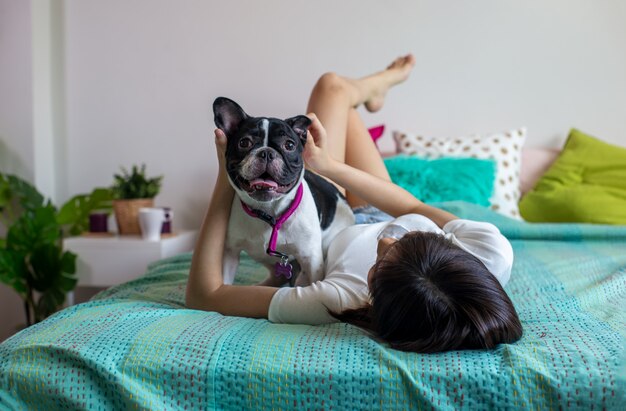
point(505, 148)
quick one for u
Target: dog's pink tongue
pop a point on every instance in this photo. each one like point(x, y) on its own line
point(260, 183)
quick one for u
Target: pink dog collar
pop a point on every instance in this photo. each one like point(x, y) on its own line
point(283, 267)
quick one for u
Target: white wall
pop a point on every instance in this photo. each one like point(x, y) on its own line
point(137, 78)
point(16, 122)
point(141, 75)
point(16, 125)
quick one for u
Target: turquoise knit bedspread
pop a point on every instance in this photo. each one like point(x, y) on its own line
point(136, 346)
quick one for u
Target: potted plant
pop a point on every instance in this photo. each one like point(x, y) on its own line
point(32, 260)
point(132, 191)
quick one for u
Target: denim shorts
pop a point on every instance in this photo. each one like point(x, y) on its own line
point(369, 214)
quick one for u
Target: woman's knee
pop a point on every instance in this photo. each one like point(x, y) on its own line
point(331, 83)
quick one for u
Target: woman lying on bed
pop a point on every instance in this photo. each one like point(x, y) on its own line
point(425, 282)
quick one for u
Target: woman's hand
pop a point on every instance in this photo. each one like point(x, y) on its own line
point(220, 147)
point(315, 153)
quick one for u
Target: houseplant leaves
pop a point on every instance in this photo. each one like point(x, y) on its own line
point(75, 212)
point(32, 260)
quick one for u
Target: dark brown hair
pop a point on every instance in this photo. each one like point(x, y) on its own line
point(429, 295)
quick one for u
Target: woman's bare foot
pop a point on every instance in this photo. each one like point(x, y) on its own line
point(379, 83)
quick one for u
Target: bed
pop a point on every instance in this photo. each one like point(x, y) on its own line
point(136, 346)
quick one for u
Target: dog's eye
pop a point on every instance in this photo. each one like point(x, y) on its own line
point(245, 143)
point(289, 145)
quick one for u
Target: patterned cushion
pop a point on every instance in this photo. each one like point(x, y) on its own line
point(504, 148)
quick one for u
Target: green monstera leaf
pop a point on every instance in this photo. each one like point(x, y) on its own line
point(26, 195)
point(75, 212)
point(34, 229)
point(5, 192)
point(13, 270)
point(52, 275)
point(52, 268)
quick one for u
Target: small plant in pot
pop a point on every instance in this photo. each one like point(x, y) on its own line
point(132, 191)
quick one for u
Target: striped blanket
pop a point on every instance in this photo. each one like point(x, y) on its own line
point(135, 346)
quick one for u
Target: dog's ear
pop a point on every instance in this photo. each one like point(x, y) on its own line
point(299, 124)
point(228, 115)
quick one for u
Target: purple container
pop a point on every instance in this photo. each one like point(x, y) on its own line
point(98, 222)
point(167, 223)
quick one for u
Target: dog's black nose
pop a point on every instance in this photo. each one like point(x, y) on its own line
point(266, 154)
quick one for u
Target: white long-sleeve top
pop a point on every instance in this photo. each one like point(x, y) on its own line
point(353, 252)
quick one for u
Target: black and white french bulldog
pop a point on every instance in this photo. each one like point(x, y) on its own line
point(265, 167)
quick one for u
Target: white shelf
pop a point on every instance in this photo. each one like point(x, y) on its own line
point(106, 261)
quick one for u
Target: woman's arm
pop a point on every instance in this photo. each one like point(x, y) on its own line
point(383, 194)
point(205, 288)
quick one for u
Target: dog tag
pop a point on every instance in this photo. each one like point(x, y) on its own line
point(283, 268)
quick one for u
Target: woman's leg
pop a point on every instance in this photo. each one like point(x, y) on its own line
point(362, 153)
point(334, 99)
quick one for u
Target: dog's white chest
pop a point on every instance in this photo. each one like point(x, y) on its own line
point(253, 234)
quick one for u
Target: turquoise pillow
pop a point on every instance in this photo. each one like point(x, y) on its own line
point(444, 179)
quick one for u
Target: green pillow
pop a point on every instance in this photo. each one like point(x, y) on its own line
point(444, 179)
point(586, 183)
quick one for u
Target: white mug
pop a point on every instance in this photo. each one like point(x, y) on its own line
point(151, 220)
